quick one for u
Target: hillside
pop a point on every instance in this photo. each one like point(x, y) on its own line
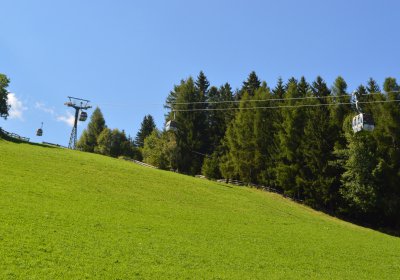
point(73, 215)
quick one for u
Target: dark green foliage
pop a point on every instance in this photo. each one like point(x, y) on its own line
point(202, 85)
point(146, 128)
point(360, 185)
point(340, 111)
point(250, 85)
point(192, 136)
point(390, 85)
point(291, 147)
point(4, 107)
point(218, 120)
point(210, 167)
point(249, 141)
point(279, 89)
point(309, 152)
point(372, 86)
point(318, 141)
point(303, 87)
point(240, 142)
point(88, 139)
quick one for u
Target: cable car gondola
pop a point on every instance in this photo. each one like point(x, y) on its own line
point(39, 132)
point(171, 126)
point(362, 121)
point(83, 116)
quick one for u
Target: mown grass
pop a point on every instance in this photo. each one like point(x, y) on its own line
point(73, 215)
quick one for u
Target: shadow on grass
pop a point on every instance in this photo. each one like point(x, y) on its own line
point(4, 137)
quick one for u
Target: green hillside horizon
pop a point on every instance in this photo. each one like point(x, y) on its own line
point(72, 215)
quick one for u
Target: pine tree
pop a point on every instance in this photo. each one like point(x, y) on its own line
point(240, 142)
point(291, 80)
point(266, 151)
point(249, 142)
point(202, 85)
point(201, 96)
point(290, 141)
point(340, 111)
point(303, 87)
point(210, 167)
point(218, 120)
point(360, 186)
point(318, 143)
point(279, 89)
point(387, 134)
point(88, 139)
point(250, 85)
point(372, 87)
point(390, 85)
point(4, 107)
point(146, 128)
point(192, 138)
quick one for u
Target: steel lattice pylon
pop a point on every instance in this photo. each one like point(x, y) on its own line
point(82, 106)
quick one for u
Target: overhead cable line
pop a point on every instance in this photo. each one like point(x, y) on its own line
point(281, 107)
point(277, 99)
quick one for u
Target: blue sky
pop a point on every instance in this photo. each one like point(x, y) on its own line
point(125, 56)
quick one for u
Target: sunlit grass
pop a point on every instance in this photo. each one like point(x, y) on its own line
point(74, 215)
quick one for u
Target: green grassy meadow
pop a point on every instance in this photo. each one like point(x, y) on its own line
point(73, 215)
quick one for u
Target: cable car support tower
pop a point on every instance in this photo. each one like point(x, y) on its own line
point(79, 105)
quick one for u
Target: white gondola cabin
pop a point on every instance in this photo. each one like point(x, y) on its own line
point(171, 126)
point(363, 122)
point(83, 116)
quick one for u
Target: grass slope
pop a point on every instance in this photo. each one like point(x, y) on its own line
point(73, 215)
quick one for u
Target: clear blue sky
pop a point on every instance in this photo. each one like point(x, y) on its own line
point(125, 56)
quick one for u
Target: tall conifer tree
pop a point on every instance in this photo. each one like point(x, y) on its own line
point(146, 128)
point(88, 139)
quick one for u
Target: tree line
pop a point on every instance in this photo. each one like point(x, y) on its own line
point(306, 148)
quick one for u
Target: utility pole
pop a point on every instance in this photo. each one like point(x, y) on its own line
point(79, 105)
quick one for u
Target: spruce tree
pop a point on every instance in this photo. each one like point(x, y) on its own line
point(250, 85)
point(360, 186)
point(265, 128)
point(202, 85)
point(192, 138)
point(241, 143)
point(303, 87)
point(249, 142)
point(387, 134)
point(317, 174)
point(219, 119)
point(290, 163)
point(146, 128)
point(340, 111)
point(88, 139)
point(279, 89)
point(372, 86)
